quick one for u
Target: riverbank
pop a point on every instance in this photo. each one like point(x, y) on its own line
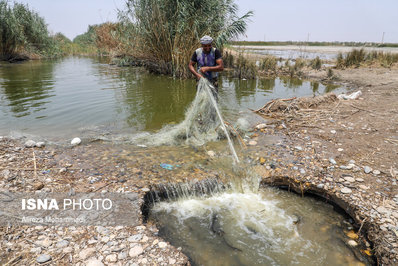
point(347, 152)
point(323, 150)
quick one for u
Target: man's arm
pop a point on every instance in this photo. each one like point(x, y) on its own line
point(191, 67)
point(218, 68)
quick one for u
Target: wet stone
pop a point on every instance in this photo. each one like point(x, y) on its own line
point(30, 144)
point(75, 141)
point(40, 144)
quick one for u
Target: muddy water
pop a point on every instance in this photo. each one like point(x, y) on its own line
point(79, 96)
point(271, 227)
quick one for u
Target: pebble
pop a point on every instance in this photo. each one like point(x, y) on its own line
point(382, 209)
point(298, 148)
point(67, 250)
point(94, 262)
point(43, 258)
point(367, 169)
point(252, 143)
point(332, 161)
point(62, 244)
point(363, 187)
point(30, 144)
point(134, 238)
point(212, 154)
point(145, 189)
point(111, 258)
point(261, 126)
point(320, 186)
point(63, 170)
point(340, 149)
point(359, 179)
point(333, 131)
point(302, 171)
point(86, 253)
point(136, 251)
point(162, 244)
point(172, 261)
point(122, 255)
point(40, 144)
point(76, 141)
point(376, 172)
point(349, 179)
point(352, 243)
point(346, 190)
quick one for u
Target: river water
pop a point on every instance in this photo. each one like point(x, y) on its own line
point(75, 96)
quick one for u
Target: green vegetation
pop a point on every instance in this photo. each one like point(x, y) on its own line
point(360, 57)
point(316, 63)
point(167, 32)
point(269, 64)
point(244, 68)
point(23, 33)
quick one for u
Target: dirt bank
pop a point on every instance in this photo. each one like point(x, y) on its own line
point(348, 152)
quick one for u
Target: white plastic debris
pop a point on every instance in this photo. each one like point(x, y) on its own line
point(352, 96)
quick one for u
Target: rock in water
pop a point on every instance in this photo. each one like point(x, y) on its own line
point(30, 144)
point(75, 141)
point(40, 144)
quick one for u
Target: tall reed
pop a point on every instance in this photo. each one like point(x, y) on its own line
point(168, 31)
point(22, 31)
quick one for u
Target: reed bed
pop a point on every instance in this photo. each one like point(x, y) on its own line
point(167, 32)
point(358, 57)
point(22, 31)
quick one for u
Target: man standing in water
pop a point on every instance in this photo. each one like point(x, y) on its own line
point(209, 62)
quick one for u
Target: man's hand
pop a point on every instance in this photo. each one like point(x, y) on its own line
point(204, 69)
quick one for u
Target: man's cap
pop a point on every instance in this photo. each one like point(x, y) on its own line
point(206, 40)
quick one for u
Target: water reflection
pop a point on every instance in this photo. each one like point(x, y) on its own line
point(151, 101)
point(27, 87)
point(79, 94)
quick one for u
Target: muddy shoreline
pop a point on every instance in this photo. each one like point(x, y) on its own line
point(301, 160)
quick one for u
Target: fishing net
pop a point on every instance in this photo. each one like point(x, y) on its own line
point(201, 123)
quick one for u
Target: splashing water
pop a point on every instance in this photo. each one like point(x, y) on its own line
point(201, 124)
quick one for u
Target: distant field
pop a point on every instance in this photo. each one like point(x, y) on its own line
point(348, 44)
point(316, 49)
